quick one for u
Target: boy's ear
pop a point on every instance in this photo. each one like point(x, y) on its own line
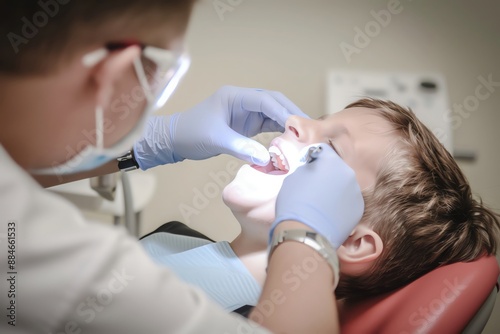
point(360, 250)
point(107, 73)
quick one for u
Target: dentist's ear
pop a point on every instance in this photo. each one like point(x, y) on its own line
point(110, 72)
point(360, 250)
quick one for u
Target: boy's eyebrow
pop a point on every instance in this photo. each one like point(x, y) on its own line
point(340, 129)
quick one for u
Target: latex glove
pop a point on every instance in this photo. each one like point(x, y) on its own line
point(323, 195)
point(220, 124)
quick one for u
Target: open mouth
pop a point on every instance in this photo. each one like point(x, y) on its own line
point(278, 165)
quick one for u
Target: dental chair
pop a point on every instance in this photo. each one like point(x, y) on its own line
point(457, 298)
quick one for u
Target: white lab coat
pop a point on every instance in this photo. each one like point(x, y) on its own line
point(74, 276)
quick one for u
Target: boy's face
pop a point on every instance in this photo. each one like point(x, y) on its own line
point(359, 135)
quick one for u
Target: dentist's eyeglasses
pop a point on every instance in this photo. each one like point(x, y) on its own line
point(158, 70)
point(158, 73)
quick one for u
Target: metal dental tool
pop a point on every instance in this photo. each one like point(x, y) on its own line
point(312, 153)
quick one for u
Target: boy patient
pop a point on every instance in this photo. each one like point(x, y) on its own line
point(419, 209)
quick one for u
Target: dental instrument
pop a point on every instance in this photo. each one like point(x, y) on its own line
point(313, 153)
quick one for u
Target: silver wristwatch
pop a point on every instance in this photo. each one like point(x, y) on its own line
point(313, 240)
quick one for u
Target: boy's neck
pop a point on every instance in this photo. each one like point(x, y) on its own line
point(253, 258)
point(251, 248)
point(256, 264)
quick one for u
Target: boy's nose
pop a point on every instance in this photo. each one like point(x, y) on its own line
point(302, 129)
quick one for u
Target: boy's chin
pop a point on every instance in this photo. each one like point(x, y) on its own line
point(237, 196)
point(254, 210)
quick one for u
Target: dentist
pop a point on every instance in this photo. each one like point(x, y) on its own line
point(78, 83)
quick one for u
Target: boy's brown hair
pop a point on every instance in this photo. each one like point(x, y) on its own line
point(421, 206)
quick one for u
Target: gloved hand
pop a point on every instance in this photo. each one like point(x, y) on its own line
point(220, 124)
point(323, 195)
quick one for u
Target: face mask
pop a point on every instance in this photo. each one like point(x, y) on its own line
point(94, 156)
point(169, 68)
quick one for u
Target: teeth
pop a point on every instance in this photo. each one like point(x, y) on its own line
point(275, 162)
point(277, 154)
point(284, 162)
point(275, 150)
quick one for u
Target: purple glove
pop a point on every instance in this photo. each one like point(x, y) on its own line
point(220, 124)
point(324, 195)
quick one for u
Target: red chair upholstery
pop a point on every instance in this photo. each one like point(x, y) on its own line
point(443, 301)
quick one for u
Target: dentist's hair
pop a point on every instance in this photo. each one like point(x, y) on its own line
point(421, 206)
point(39, 35)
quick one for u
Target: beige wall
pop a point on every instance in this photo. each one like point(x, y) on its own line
point(288, 45)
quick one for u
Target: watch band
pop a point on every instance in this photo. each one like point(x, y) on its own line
point(127, 162)
point(313, 240)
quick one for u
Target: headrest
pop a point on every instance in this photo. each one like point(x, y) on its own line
point(442, 301)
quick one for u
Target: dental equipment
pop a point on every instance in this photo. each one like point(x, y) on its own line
point(313, 153)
